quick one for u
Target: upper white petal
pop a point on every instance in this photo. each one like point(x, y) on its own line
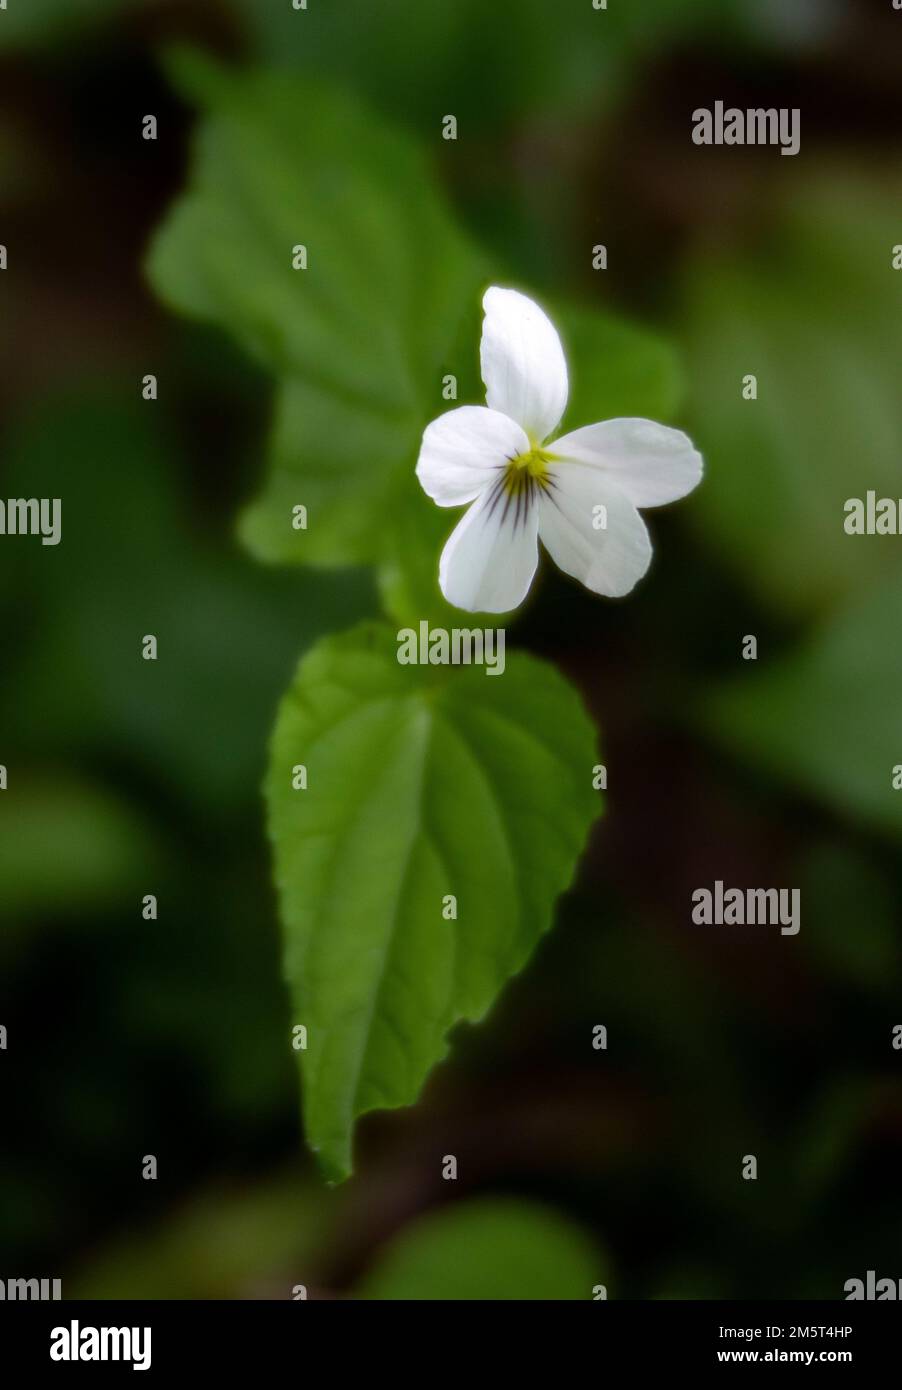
point(608, 559)
point(463, 450)
point(650, 463)
point(523, 363)
point(490, 557)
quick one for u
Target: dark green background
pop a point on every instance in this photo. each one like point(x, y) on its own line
point(172, 1038)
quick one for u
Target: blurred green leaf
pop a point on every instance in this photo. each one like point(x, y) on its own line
point(489, 1249)
point(224, 1243)
point(281, 162)
point(359, 337)
point(859, 947)
point(838, 1122)
point(827, 718)
point(132, 561)
point(616, 368)
point(471, 58)
point(422, 782)
point(67, 845)
point(816, 314)
point(684, 1282)
point(34, 21)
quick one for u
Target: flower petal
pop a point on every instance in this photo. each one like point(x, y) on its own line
point(649, 463)
point(490, 557)
point(463, 450)
point(523, 364)
point(608, 558)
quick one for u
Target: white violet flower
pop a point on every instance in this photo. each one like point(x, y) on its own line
point(579, 494)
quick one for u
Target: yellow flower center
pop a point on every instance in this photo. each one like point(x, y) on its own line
point(526, 470)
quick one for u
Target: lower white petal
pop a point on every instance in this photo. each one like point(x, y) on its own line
point(592, 531)
point(463, 450)
point(490, 557)
point(650, 463)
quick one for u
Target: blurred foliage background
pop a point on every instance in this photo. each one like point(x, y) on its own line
point(126, 1037)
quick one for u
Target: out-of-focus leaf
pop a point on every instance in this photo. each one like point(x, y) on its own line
point(66, 845)
point(471, 57)
point(489, 1249)
point(221, 1244)
point(816, 315)
point(828, 718)
point(837, 1123)
point(129, 563)
point(25, 22)
point(852, 903)
point(359, 337)
point(616, 368)
point(689, 1282)
point(422, 782)
point(281, 162)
